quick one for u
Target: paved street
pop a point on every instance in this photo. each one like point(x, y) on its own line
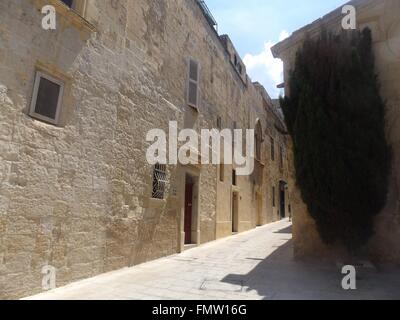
point(254, 265)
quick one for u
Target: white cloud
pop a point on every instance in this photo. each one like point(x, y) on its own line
point(284, 34)
point(264, 68)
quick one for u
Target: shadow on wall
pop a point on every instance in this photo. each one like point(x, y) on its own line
point(280, 277)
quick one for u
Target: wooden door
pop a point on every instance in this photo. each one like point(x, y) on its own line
point(188, 213)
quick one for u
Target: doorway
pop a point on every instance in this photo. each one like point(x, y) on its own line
point(235, 212)
point(259, 219)
point(188, 221)
point(282, 199)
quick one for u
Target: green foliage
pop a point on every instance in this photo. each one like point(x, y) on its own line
point(336, 118)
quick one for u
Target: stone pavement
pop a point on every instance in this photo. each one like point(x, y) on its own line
point(254, 265)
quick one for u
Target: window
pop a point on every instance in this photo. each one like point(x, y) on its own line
point(233, 136)
point(77, 6)
point(259, 139)
point(234, 179)
point(273, 197)
point(159, 181)
point(272, 149)
point(46, 98)
point(221, 172)
point(219, 123)
point(68, 3)
point(281, 157)
point(193, 85)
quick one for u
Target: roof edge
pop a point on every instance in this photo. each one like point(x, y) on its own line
point(297, 35)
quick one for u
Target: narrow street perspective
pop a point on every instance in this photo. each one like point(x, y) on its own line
point(256, 265)
point(199, 149)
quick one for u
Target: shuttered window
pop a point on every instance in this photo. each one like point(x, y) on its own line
point(193, 85)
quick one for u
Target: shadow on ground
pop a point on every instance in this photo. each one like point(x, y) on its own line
point(280, 277)
point(287, 230)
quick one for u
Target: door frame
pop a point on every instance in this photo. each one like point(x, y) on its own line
point(259, 211)
point(282, 199)
point(194, 174)
point(188, 235)
point(235, 213)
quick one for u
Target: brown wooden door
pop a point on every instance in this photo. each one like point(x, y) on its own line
point(188, 213)
point(235, 213)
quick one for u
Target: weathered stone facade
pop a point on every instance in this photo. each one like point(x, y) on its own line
point(383, 18)
point(78, 196)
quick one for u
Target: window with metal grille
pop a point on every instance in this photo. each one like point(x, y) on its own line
point(47, 98)
point(193, 84)
point(159, 181)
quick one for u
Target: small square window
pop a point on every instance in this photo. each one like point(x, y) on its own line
point(47, 98)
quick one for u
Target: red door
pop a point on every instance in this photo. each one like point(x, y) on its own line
point(188, 213)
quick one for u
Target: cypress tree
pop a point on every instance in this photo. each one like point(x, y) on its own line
point(336, 118)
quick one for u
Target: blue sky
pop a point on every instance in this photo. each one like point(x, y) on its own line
point(255, 25)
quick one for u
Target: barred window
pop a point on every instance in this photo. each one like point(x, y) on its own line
point(159, 181)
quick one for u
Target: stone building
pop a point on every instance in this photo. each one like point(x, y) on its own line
point(76, 103)
point(383, 18)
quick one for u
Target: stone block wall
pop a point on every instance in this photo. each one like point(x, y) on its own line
point(78, 196)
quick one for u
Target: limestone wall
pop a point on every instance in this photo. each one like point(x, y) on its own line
point(78, 196)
